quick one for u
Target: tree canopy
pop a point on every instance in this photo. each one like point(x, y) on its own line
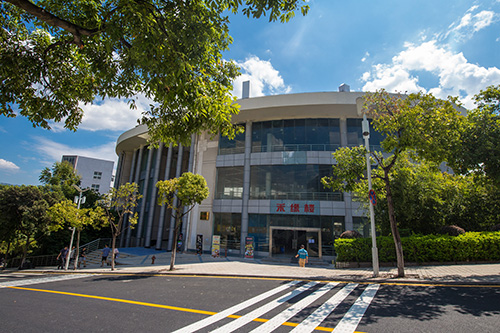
point(23, 211)
point(479, 152)
point(420, 124)
point(57, 55)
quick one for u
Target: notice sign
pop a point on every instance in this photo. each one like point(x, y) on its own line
point(249, 247)
point(215, 246)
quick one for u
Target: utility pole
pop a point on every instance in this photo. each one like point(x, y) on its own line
point(366, 136)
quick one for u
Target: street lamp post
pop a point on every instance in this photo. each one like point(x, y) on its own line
point(73, 228)
point(366, 136)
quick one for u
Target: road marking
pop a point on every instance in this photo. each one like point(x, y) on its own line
point(221, 315)
point(310, 323)
point(161, 306)
point(352, 318)
point(282, 317)
point(27, 282)
point(117, 300)
point(230, 327)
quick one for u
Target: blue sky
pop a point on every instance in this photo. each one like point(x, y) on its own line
point(441, 47)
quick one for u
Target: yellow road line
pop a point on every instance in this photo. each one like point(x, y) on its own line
point(175, 308)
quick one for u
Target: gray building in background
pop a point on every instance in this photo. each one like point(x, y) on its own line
point(96, 174)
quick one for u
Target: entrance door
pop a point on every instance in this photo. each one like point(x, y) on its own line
point(286, 241)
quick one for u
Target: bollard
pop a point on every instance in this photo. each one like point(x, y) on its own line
point(153, 260)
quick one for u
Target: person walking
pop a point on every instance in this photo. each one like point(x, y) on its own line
point(82, 259)
point(105, 254)
point(61, 258)
point(116, 253)
point(303, 256)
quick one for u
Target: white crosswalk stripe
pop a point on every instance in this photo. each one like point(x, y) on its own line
point(279, 319)
point(317, 317)
point(52, 278)
point(348, 323)
point(221, 315)
point(352, 318)
point(263, 309)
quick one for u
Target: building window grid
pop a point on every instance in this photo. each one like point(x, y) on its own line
point(97, 175)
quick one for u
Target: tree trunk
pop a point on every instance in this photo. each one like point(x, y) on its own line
point(394, 229)
point(113, 244)
point(25, 252)
point(178, 217)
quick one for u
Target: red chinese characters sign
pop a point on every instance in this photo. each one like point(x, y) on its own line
point(294, 207)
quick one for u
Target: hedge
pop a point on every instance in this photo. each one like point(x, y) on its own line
point(471, 246)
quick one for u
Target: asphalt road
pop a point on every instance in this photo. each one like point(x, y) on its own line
point(132, 303)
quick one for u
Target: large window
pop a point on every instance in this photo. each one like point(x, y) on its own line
point(296, 135)
point(234, 146)
point(291, 182)
point(229, 183)
point(355, 135)
point(228, 226)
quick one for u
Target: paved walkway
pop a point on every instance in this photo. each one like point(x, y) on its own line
point(140, 261)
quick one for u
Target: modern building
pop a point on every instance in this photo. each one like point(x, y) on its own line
point(265, 184)
point(96, 174)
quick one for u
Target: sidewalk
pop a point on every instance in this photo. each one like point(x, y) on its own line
point(140, 262)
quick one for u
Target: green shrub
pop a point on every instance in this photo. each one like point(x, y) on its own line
point(470, 246)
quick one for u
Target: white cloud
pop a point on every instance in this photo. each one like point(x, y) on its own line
point(471, 23)
point(457, 76)
point(112, 114)
point(264, 79)
point(7, 165)
point(53, 151)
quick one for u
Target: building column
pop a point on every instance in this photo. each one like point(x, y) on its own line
point(125, 220)
point(159, 237)
point(144, 200)
point(119, 167)
point(137, 174)
point(246, 187)
point(154, 193)
point(178, 170)
point(343, 132)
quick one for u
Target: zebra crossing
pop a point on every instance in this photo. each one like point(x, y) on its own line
point(45, 279)
point(308, 292)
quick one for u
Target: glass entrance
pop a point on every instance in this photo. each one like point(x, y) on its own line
point(286, 241)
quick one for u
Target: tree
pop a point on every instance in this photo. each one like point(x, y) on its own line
point(62, 177)
point(26, 209)
point(420, 123)
point(118, 204)
point(67, 212)
point(180, 195)
point(57, 55)
point(480, 150)
point(62, 174)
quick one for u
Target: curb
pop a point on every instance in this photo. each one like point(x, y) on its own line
point(354, 279)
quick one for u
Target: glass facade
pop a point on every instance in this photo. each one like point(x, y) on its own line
point(355, 135)
point(229, 183)
point(291, 182)
point(296, 135)
point(234, 146)
point(288, 185)
point(228, 226)
point(259, 225)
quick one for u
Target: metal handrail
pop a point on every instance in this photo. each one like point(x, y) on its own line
point(51, 259)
